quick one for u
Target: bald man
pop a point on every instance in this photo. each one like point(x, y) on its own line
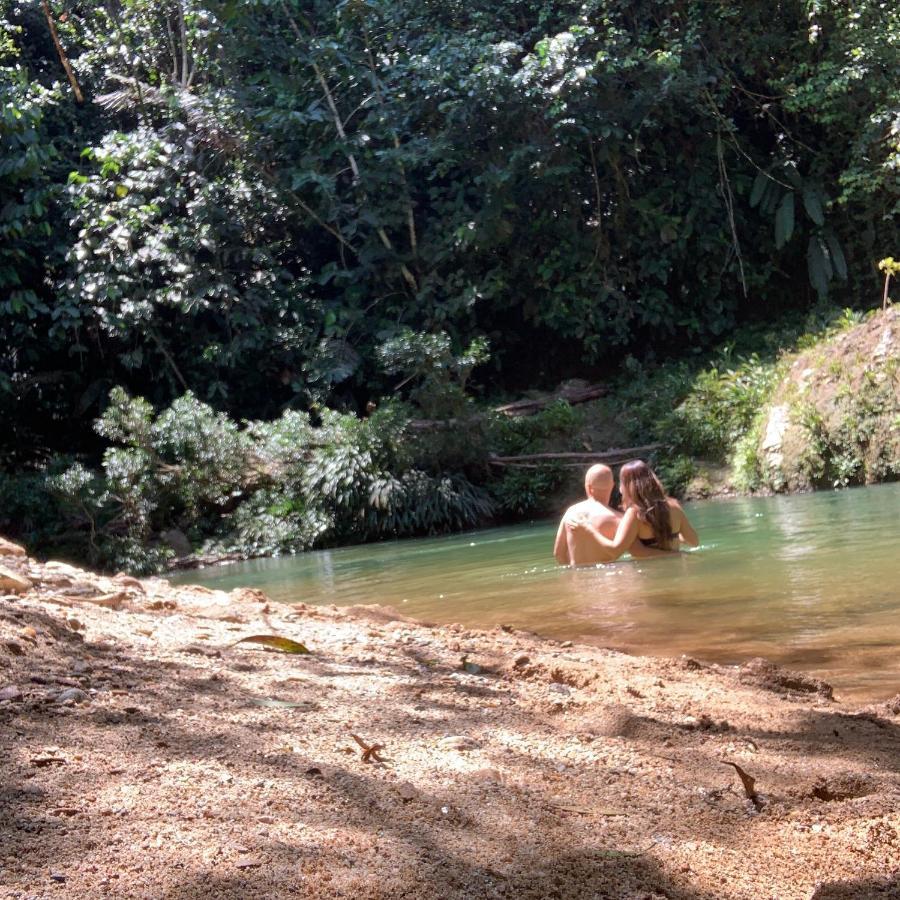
point(575, 546)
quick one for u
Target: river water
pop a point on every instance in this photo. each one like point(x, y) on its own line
point(810, 581)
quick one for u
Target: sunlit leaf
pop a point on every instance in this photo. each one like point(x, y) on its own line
point(276, 642)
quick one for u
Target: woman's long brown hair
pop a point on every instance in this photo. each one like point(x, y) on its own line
point(649, 499)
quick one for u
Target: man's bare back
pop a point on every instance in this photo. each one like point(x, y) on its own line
point(575, 547)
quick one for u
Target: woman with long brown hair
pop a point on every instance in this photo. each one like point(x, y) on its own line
point(651, 518)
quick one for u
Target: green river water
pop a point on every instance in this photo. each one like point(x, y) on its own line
point(809, 581)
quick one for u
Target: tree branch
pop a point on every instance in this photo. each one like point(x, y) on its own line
point(73, 81)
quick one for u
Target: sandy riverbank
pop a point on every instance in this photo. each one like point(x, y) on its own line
point(142, 754)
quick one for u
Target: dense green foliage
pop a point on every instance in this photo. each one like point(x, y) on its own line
point(267, 488)
point(269, 209)
point(715, 409)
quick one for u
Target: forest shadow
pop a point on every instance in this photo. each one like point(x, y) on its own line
point(887, 888)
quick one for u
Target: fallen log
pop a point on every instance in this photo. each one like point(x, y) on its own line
point(615, 455)
point(571, 395)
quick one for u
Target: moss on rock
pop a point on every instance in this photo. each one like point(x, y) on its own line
point(835, 418)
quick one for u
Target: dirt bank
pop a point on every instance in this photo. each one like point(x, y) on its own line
point(143, 754)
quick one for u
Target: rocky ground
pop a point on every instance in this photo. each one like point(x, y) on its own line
point(145, 753)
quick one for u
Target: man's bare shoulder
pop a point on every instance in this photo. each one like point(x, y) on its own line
point(597, 512)
point(583, 506)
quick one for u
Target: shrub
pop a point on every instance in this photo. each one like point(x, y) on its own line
point(265, 488)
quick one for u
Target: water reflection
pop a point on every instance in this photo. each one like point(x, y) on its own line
point(810, 581)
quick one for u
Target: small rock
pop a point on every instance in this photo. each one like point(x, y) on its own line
point(266, 820)
point(566, 644)
point(560, 688)
point(13, 582)
point(129, 581)
point(162, 604)
point(486, 776)
point(14, 648)
point(521, 661)
point(248, 595)
point(8, 548)
point(57, 876)
point(458, 742)
point(691, 664)
point(74, 624)
point(614, 720)
point(74, 695)
point(80, 667)
point(61, 568)
point(248, 862)
point(178, 541)
point(407, 791)
point(109, 601)
point(11, 692)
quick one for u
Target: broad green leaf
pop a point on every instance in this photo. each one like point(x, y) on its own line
point(759, 188)
point(819, 265)
point(771, 195)
point(837, 254)
point(812, 203)
point(793, 176)
point(784, 220)
point(286, 645)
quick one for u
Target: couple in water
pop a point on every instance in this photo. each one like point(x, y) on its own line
point(650, 523)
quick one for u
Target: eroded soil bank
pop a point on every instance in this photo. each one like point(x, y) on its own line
point(144, 754)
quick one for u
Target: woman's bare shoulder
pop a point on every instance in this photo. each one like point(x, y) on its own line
point(674, 506)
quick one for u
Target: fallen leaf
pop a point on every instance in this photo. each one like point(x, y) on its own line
point(286, 645)
point(368, 752)
point(282, 704)
point(748, 781)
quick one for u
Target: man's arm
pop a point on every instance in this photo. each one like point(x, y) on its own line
point(561, 547)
